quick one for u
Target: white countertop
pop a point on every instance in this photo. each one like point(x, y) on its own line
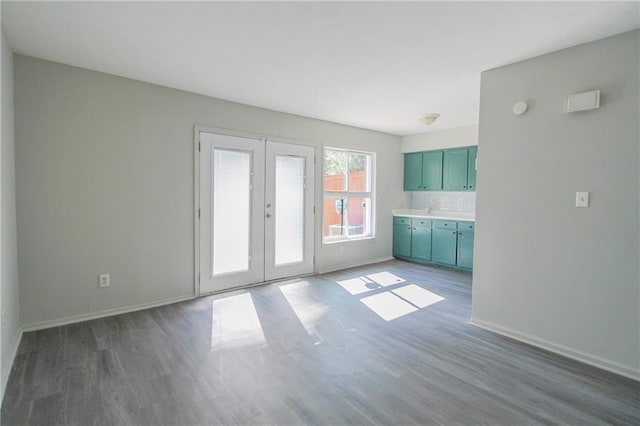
point(435, 214)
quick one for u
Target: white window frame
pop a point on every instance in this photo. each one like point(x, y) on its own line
point(371, 194)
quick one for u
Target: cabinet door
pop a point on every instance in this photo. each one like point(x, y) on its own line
point(421, 243)
point(402, 240)
point(471, 168)
point(443, 246)
point(454, 169)
point(465, 248)
point(432, 171)
point(413, 171)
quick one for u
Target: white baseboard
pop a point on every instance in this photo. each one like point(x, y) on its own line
point(353, 265)
point(575, 354)
point(12, 356)
point(102, 314)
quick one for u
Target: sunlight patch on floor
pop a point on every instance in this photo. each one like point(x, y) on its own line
point(388, 301)
point(388, 306)
point(305, 304)
point(417, 295)
point(367, 283)
point(386, 278)
point(358, 285)
point(235, 323)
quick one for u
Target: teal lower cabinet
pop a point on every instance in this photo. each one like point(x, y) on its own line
point(466, 233)
point(412, 238)
point(402, 236)
point(421, 239)
point(444, 242)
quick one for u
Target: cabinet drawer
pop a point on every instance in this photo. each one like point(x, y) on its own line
point(468, 226)
point(401, 220)
point(445, 224)
point(421, 223)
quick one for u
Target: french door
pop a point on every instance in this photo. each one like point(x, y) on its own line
point(256, 211)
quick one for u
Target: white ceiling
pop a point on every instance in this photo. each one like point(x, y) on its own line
point(372, 65)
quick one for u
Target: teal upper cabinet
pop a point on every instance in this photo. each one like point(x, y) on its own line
point(449, 170)
point(432, 171)
point(472, 168)
point(413, 171)
point(454, 169)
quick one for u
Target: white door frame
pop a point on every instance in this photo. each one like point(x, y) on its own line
point(198, 128)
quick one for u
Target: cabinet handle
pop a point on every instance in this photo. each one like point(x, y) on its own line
point(459, 233)
point(454, 232)
point(464, 186)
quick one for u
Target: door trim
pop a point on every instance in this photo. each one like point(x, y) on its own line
point(197, 128)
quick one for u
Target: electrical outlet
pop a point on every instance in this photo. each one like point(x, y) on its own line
point(582, 199)
point(104, 280)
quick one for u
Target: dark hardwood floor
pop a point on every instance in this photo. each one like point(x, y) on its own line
point(383, 344)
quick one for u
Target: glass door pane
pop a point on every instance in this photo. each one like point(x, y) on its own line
point(289, 209)
point(231, 211)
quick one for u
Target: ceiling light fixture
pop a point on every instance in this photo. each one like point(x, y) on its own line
point(428, 119)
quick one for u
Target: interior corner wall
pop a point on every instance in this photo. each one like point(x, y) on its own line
point(546, 272)
point(441, 139)
point(105, 185)
point(11, 330)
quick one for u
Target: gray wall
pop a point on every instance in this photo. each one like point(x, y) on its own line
point(441, 139)
point(105, 185)
point(546, 272)
point(9, 291)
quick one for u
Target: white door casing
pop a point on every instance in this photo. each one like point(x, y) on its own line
point(256, 214)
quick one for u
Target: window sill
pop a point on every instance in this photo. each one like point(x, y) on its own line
point(347, 240)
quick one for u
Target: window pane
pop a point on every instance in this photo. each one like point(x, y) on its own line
point(335, 163)
point(289, 209)
point(347, 202)
point(347, 217)
point(359, 173)
point(359, 216)
point(334, 216)
point(231, 211)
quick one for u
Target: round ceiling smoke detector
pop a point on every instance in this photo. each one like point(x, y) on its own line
point(520, 108)
point(428, 119)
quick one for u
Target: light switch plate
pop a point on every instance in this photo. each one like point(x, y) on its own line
point(582, 199)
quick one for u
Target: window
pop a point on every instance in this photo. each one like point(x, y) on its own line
point(348, 198)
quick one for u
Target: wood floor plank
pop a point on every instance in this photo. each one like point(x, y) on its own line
point(319, 350)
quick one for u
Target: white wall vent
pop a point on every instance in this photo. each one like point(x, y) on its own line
point(583, 101)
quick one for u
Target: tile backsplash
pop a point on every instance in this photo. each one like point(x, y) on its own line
point(444, 200)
